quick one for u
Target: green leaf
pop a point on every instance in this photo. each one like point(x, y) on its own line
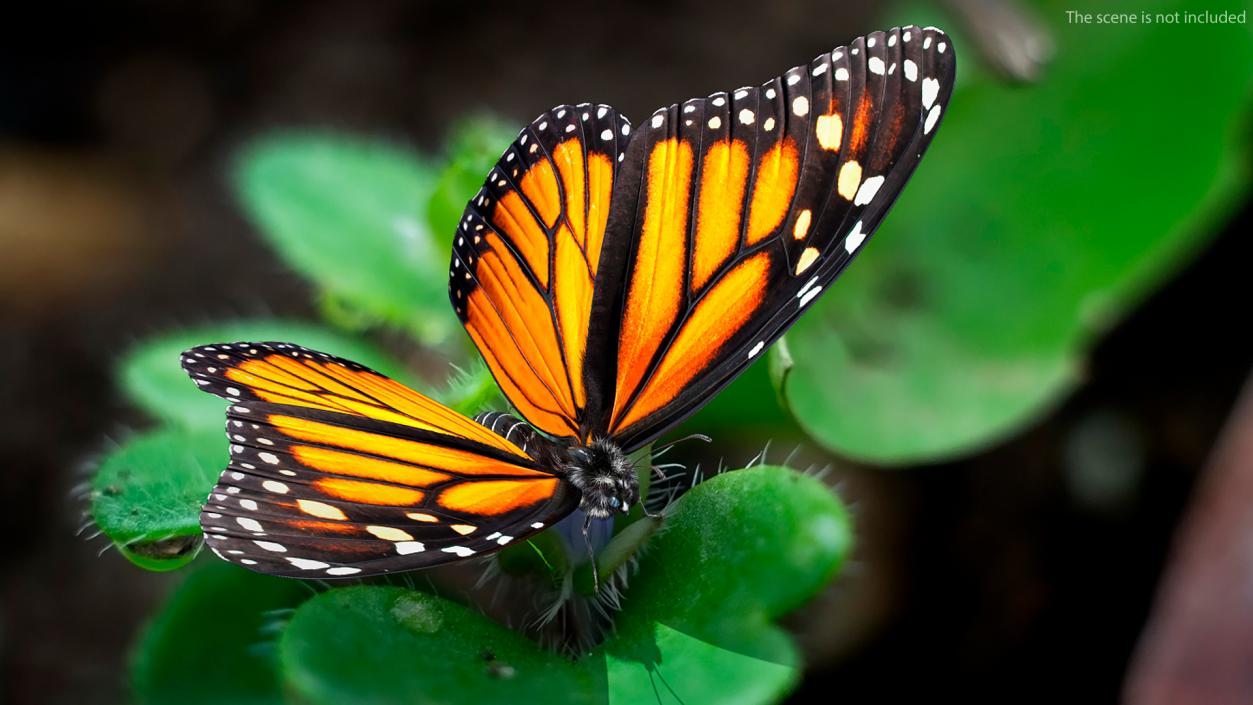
point(738, 551)
point(1040, 216)
point(146, 495)
point(154, 380)
point(212, 641)
point(473, 149)
point(370, 645)
point(351, 216)
point(741, 549)
point(727, 416)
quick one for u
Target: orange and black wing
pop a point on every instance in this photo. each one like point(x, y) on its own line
point(338, 471)
point(526, 262)
point(749, 204)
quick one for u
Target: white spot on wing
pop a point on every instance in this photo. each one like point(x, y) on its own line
point(809, 296)
point(868, 189)
point(931, 118)
point(854, 238)
point(249, 523)
point(930, 89)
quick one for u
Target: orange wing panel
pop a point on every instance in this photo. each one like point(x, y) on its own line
point(527, 260)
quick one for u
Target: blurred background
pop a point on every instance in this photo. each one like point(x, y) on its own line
point(1038, 422)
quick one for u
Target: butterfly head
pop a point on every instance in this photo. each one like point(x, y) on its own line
point(604, 476)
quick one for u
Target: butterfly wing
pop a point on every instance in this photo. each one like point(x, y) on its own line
point(751, 203)
point(526, 261)
point(338, 471)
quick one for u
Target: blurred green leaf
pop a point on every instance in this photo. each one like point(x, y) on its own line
point(351, 216)
point(472, 390)
point(146, 495)
point(209, 645)
point(739, 550)
point(748, 406)
point(472, 150)
point(1039, 217)
point(153, 378)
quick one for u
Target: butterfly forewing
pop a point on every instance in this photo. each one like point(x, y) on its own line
point(526, 262)
point(321, 491)
point(751, 203)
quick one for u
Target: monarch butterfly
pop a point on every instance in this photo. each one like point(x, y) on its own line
point(613, 280)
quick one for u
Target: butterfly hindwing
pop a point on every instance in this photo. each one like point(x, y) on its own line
point(751, 203)
point(526, 262)
point(321, 492)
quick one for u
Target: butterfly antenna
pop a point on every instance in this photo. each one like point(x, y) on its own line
point(591, 555)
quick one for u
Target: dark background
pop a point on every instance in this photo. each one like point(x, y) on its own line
point(996, 578)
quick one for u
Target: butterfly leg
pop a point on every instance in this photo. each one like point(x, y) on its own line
point(591, 554)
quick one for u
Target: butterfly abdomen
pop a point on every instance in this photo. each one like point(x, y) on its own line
point(516, 431)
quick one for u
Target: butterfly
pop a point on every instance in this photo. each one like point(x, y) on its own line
point(614, 279)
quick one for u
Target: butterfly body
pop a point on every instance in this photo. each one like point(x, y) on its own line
point(602, 473)
point(614, 278)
